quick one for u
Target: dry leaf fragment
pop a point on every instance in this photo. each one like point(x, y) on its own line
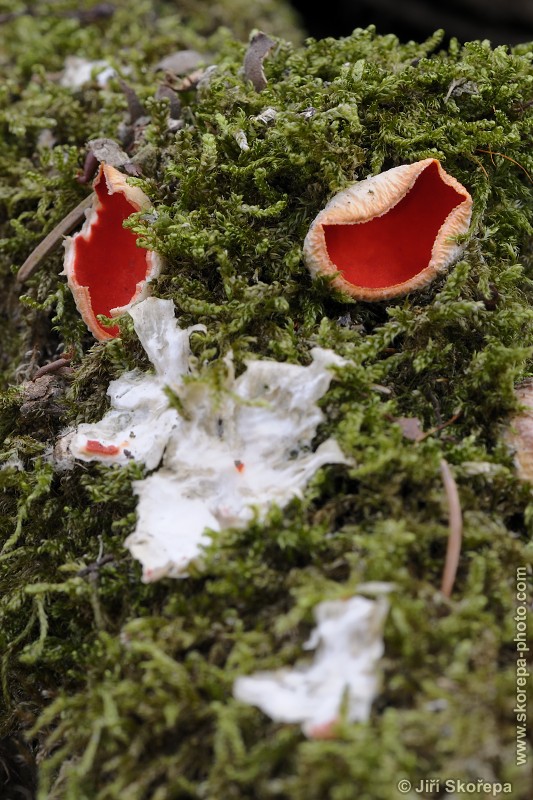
point(259, 47)
point(411, 428)
point(181, 62)
point(197, 79)
point(108, 151)
point(461, 86)
point(267, 116)
point(135, 107)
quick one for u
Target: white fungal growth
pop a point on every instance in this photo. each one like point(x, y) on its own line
point(344, 673)
point(233, 453)
point(140, 421)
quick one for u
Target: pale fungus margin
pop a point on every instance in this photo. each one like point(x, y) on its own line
point(391, 233)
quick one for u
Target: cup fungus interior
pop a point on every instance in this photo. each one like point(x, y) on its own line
point(108, 261)
point(393, 248)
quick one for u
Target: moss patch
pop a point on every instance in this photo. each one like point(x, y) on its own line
point(124, 690)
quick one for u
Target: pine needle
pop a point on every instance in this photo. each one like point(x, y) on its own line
point(453, 550)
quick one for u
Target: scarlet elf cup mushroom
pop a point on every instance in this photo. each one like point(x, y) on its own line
point(106, 271)
point(391, 233)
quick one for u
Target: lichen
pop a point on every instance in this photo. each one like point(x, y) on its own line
point(124, 689)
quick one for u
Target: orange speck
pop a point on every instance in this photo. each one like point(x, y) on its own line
point(325, 730)
point(239, 466)
point(94, 446)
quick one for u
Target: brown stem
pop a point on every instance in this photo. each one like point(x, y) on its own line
point(54, 366)
point(50, 242)
point(492, 153)
point(455, 527)
point(441, 427)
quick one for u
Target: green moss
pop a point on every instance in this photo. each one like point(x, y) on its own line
point(124, 690)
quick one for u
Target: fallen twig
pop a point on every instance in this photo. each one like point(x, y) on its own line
point(95, 566)
point(455, 529)
point(492, 153)
point(50, 242)
point(55, 366)
point(441, 427)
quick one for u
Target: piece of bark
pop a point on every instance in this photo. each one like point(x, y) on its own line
point(259, 47)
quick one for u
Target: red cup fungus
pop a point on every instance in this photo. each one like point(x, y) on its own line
point(106, 271)
point(391, 233)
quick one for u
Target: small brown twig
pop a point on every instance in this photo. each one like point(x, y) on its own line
point(493, 153)
point(55, 366)
point(440, 427)
point(50, 242)
point(95, 566)
point(455, 527)
point(523, 106)
point(480, 165)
